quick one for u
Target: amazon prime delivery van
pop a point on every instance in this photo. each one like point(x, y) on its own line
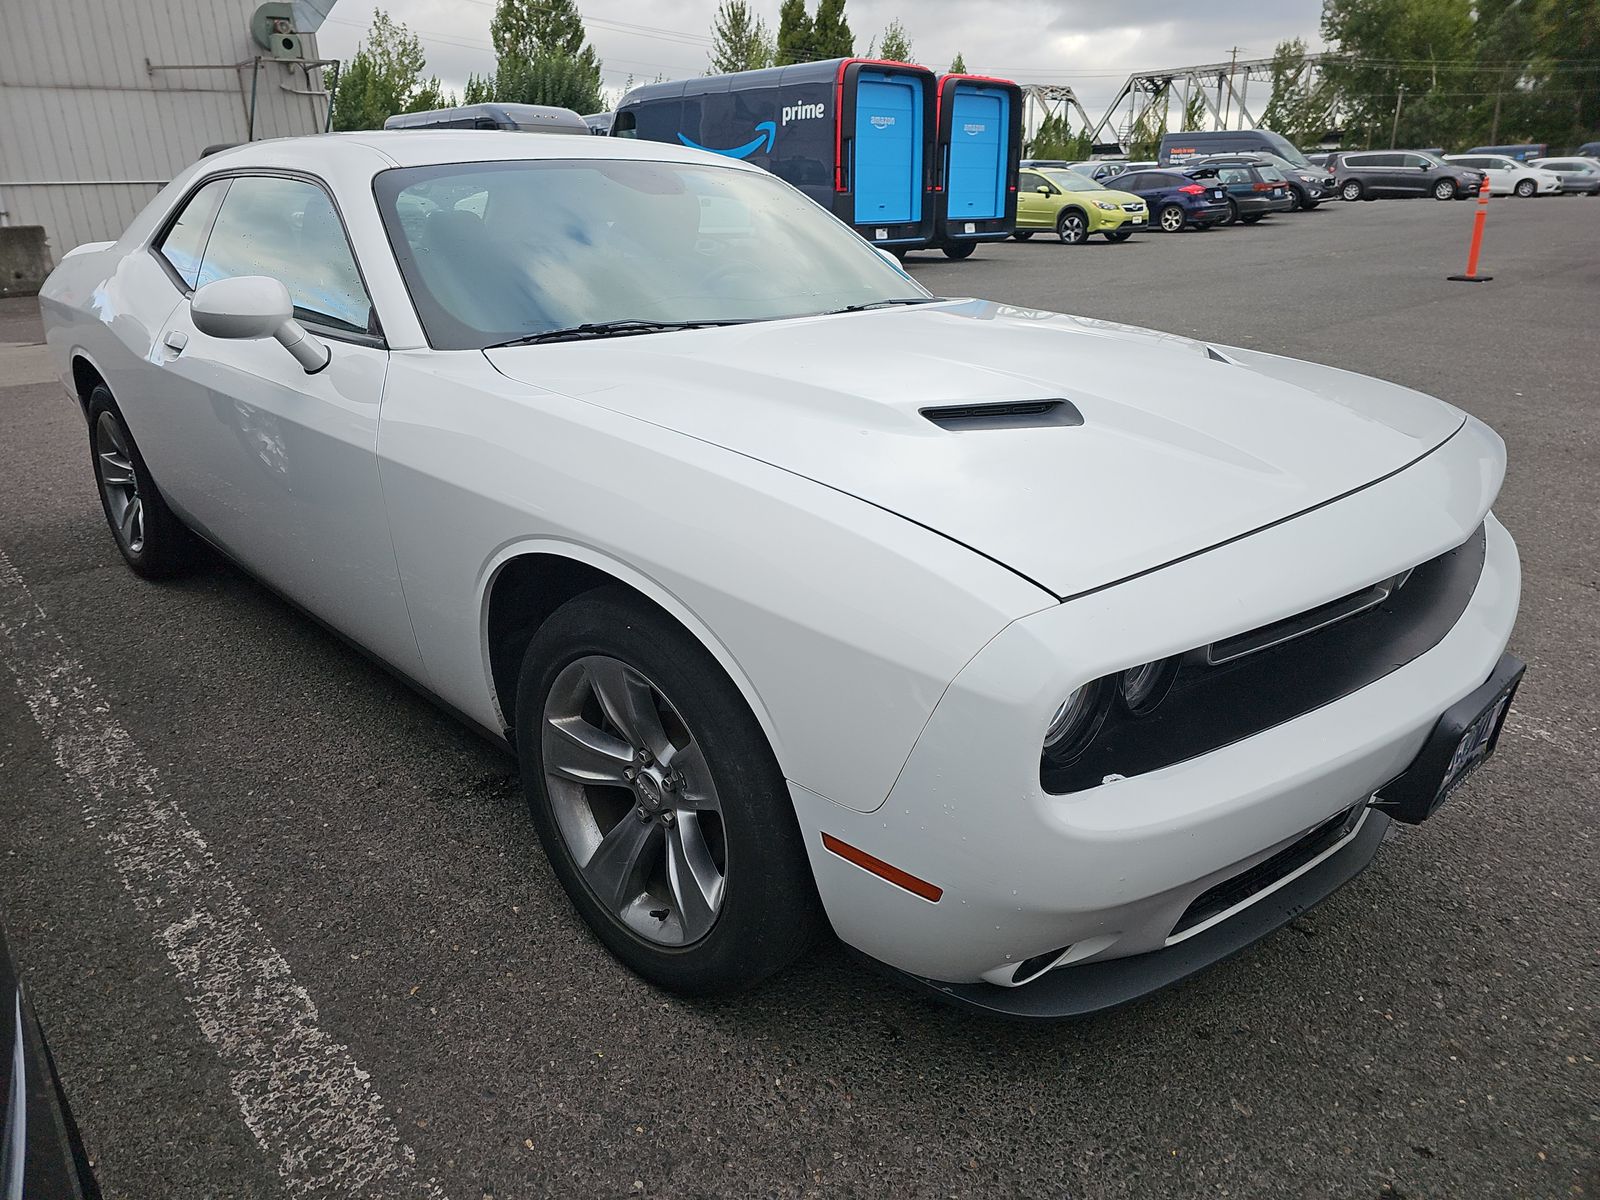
point(977, 147)
point(854, 134)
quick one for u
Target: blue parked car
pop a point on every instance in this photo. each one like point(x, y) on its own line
point(1177, 201)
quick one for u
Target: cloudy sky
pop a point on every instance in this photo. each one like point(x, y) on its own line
point(1090, 44)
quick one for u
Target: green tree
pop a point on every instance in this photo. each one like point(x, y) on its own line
point(795, 33)
point(1565, 71)
point(1300, 108)
point(740, 41)
point(1053, 139)
point(383, 76)
point(1144, 139)
point(543, 56)
point(551, 77)
point(830, 32)
point(895, 46)
point(958, 65)
point(479, 89)
point(1194, 113)
point(1416, 56)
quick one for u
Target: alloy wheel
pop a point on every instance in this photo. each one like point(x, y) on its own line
point(634, 800)
point(1527, 188)
point(1172, 219)
point(1073, 229)
point(1351, 191)
point(119, 483)
point(1444, 190)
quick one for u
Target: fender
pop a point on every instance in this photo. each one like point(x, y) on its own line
point(646, 586)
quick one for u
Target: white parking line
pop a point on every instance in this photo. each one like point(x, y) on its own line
point(301, 1093)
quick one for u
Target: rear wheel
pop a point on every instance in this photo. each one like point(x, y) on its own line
point(658, 800)
point(1073, 227)
point(152, 540)
point(1119, 235)
point(1233, 214)
point(1251, 220)
point(1023, 235)
point(1351, 189)
point(1445, 189)
point(959, 250)
point(1526, 188)
point(1171, 218)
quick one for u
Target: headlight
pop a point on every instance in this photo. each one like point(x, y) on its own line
point(1105, 204)
point(1143, 687)
point(1075, 723)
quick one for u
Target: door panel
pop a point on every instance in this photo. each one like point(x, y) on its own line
point(888, 149)
point(976, 185)
point(276, 466)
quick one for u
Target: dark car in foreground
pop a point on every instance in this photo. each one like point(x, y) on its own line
point(1177, 201)
point(1373, 174)
point(1253, 190)
point(41, 1154)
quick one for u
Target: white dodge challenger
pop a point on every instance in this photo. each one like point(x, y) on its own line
point(805, 597)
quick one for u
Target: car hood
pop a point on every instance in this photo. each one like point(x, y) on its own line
point(1178, 450)
point(1118, 197)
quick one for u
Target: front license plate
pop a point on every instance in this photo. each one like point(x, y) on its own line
point(1460, 743)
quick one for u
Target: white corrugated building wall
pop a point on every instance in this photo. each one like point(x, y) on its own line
point(103, 101)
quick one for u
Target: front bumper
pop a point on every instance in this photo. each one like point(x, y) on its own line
point(1111, 222)
point(1111, 872)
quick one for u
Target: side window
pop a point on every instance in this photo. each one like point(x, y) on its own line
point(1234, 175)
point(625, 125)
point(1029, 182)
point(1417, 161)
point(288, 229)
point(1131, 181)
point(185, 241)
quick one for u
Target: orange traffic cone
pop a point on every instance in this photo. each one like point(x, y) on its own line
point(1472, 275)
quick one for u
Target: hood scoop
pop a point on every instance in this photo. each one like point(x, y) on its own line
point(1009, 414)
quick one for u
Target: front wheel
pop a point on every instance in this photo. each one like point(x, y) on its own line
point(1445, 189)
point(1252, 219)
point(1073, 228)
point(1526, 188)
point(1171, 218)
point(153, 542)
point(1351, 190)
point(1119, 235)
point(658, 800)
point(959, 250)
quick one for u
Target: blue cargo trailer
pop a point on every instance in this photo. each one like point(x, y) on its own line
point(977, 150)
point(854, 134)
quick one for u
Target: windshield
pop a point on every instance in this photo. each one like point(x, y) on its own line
point(1284, 148)
point(1071, 181)
point(496, 251)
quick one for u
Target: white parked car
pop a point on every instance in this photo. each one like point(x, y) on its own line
point(1508, 177)
point(806, 597)
point(1579, 176)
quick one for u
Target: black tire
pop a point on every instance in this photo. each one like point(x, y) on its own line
point(1297, 200)
point(1233, 214)
point(1351, 189)
point(1252, 219)
point(1445, 189)
point(154, 543)
point(1023, 235)
point(1526, 188)
point(769, 910)
point(958, 250)
point(1119, 235)
point(1072, 227)
point(1171, 218)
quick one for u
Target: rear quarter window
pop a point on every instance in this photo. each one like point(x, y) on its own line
point(184, 242)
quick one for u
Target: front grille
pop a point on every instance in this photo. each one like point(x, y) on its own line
point(1239, 888)
point(1133, 208)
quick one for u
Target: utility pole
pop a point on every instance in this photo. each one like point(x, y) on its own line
point(1394, 130)
point(1233, 64)
point(1494, 123)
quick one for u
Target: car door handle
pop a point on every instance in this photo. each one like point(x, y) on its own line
point(175, 341)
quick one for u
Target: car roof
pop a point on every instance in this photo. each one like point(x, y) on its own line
point(386, 148)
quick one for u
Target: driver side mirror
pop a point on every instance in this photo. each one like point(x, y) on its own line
point(256, 306)
point(1043, 189)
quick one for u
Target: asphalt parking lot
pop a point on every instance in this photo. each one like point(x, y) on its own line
point(1430, 1031)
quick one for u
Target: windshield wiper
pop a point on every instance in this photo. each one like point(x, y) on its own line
point(871, 304)
point(605, 329)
